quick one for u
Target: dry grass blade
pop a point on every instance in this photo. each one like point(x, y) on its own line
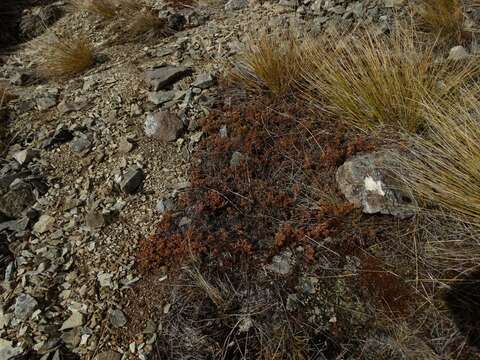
point(373, 80)
point(103, 8)
point(445, 169)
point(5, 96)
point(270, 63)
point(443, 18)
point(213, 292)
point(147, 24)
point(64, 57)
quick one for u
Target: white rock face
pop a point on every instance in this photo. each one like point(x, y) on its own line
point(366, 183)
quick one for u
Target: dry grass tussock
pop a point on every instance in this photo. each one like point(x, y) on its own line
point(104, 8)
point(61, 57)
point(445, 168)
point(147, 24)
point(370, 80)
point(270, 63)
point(443, 18)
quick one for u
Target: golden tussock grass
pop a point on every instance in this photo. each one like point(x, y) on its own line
point(147, 24)
point(61, 57)
point(370, 80)
point(445, 168)
point(104, 8)
point(269, 64)
point(443, 18)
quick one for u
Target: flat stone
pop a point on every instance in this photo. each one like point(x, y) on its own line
point(16, 200)
point(75, 320)
point(161, 97)
point(165, 205)
point(281, 264)
point(65, 107)
point(118, 319)
point(367, 184)
point(45, 103)
point(94, 220)
point(233, 5)
point(132, 180)
point(7, 351)
point(161, 77)
point(105, 280)
point(59, 137)
point(25, 305)
point(80, 144)
point(26, 156)
point(164, 126)
point(204, 81)
point(124, 146)
point(44, 223)
point(236, 159)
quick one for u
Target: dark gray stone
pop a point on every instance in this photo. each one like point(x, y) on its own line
point(161, 77)
point(204, 81)
point(118, 319)
point(16, 200)
point(132, 180)
point(25, 305)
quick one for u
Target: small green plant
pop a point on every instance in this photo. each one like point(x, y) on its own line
point(64, 56)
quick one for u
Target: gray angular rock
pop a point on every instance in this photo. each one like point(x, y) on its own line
point(236, 159)
point(45, 103)
point(7, 351)
point(75, 320)
point(161, 77)
point(281, 264)
point(80, 144)
point(118, 318)
point(44, 223)
point(204, 81)
point(233, 5)
point(94, 220)
point(25, 305)
point(165, 205)
point(25, 156)
point(132, 180)
point(124, 146)
point(16, 200)
point(164, 126)
point(367, 184)
point(161, 97)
